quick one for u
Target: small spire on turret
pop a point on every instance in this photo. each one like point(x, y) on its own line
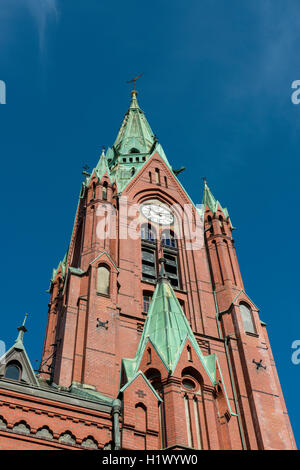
point(134, 103)
point(22, 329)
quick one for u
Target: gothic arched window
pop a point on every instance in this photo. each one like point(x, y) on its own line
point(221, 222)
point(168, 238)
point(209, 224)
point(148, 242)
point(157, 176)
point(104, 191)
point(191, 392)
point(247, 318)
point(94, 191)
point(103, 279)
point(148, 233)
point(170, 253)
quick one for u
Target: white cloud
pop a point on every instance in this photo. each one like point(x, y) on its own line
point(42, 12)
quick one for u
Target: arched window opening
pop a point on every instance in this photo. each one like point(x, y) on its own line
point(168, 238)
point(103, 280)
point(132, 171)
point(148, 233)
point(210, 225)
point(149, 359)
point(247, 318)
point(166, 181)
point(134, 150)
point(141, 426)
point(221, 222)
point(94, 191)
point(170, 253)
point(13, 371)
point(157, 176)
point(191, 372)
point(150, 177)
point(154, 377)
point(149, 262)
point(104, 191)
point(189, 354)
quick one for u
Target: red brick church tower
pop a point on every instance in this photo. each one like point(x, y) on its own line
point(152, 341)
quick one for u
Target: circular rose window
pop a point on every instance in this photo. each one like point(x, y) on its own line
point(189, 384)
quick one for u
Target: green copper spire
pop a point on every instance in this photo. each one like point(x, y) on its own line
point(134, 144)
point(167, 329)
point(63, 265)
point(102, 165)
point(135, 135)
point(210, 201)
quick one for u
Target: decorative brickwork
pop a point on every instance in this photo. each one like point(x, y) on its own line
point(195, 371)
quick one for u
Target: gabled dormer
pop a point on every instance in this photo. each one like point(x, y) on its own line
point(15, 364)
point(167, 331)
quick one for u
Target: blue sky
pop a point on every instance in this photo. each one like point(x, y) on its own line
point(217, 92)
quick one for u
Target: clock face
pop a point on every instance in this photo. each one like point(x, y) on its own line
point(158, 214)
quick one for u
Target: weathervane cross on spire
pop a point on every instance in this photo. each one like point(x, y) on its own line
point(134, 80)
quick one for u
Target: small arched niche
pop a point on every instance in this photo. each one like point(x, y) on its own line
point(103, 279)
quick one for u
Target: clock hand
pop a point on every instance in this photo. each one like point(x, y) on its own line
point(156, 209)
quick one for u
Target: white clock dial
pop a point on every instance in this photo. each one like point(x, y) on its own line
point(158, 214)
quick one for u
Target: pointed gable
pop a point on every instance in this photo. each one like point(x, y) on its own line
point(167, 329)
point(17, 356)
point(102, 166)
point(212, 203)
point(105, 257)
